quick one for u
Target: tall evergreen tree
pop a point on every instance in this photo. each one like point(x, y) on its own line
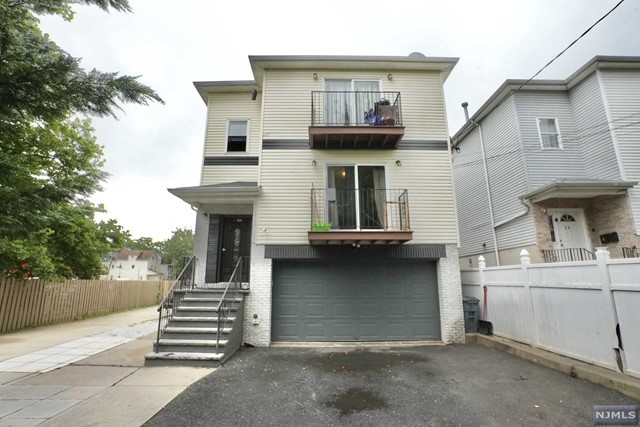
point(50, 162)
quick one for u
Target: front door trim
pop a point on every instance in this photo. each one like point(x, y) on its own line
point(224, 252)
point(578, 215)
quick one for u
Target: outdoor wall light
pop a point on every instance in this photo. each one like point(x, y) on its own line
point(315, 76)
point(398, 162)
point(313, 163)
point(389, 76)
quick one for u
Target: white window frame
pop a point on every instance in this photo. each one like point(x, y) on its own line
point(557, 122)
point(226, 136)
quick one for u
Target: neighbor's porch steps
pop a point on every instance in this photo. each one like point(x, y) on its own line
point(190, 337)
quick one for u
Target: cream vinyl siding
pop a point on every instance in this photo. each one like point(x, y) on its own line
point(232, 106)
point(287, 101)
point(622, 91)
point(221, 174)
point(284, 205)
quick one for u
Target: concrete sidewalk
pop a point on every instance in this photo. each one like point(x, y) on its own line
point(109, 388)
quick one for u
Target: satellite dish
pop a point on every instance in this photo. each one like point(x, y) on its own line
point(416, 55)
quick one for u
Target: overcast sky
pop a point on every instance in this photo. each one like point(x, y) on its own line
point(172, 44)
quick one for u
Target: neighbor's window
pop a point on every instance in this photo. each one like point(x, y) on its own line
point(237, 136)
point(549, 133)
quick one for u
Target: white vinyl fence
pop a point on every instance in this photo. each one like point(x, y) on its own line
point(570, 308)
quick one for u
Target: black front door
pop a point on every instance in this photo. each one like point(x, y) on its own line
point(235, 243)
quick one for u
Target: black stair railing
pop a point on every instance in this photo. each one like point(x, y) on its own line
point(567, 255)
point(228, 298)
point(171, 302)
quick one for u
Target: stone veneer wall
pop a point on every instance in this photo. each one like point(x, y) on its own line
point(604, 214)
point(259, 300)
point(450, 292)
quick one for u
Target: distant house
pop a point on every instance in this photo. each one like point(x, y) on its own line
point(135, 265)
point(552, 166)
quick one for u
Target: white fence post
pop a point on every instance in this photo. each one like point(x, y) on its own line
point(481, 266)
point(525, 262)
point(602, 256)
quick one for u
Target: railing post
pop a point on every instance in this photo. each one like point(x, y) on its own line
point(602, 258)
point(525, 262)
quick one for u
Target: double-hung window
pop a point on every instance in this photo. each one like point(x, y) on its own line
point(237, 135)
point(549, 133)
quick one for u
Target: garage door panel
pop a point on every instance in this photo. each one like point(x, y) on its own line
point(341, 309)
point(343, 330)
point(288, 309)
point(314, 309)
point(355, 300)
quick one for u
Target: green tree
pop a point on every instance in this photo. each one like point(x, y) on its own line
point(50, 162)
point(143, 243)
point(178, 246)
point(114, 234)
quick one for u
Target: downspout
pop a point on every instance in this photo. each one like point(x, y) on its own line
point(488, 185)
point(527, 207)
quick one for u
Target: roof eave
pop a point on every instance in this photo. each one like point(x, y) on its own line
point(204, 88)
point(578, 190)
point(198, 196)
point(320, 62)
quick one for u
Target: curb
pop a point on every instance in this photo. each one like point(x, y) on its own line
point(624, 384)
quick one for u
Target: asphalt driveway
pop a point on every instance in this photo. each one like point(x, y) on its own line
point(416, 386)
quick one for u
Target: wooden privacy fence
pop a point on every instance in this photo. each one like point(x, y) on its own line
point(26, 303)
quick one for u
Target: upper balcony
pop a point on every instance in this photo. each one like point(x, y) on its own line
point(348, 120)
point(359, 216)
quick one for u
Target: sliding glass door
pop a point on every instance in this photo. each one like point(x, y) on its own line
point(346, 102)
point(356, 197)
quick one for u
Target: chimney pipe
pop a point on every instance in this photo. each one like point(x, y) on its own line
point(466, 111)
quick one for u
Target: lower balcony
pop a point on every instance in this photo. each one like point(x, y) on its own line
point(359, 216)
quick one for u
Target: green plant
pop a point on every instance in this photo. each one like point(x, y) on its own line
point(321, 226)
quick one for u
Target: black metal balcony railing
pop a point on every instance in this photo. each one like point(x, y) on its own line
point(631, 252)
point(362, 209)
point(355, 108)
point(567, 255)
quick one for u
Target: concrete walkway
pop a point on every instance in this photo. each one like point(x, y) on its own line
point(87, 373)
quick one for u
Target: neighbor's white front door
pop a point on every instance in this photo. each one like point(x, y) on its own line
point(570, 229)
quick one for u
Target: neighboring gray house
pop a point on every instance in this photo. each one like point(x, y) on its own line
point(552, 167)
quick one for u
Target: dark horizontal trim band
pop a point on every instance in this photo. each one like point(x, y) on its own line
point(303, 144)
point(232, 161)
point(285, 144)
point(423, 145)
point(336, 252)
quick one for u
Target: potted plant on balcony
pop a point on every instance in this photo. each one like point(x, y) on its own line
point(318, 224)
point(321, 226)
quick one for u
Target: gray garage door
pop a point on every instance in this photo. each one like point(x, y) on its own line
point(355, 301)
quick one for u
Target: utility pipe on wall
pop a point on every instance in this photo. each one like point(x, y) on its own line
point(488, 185)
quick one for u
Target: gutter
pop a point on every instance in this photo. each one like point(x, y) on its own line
point(526, 203)
point(488, 185)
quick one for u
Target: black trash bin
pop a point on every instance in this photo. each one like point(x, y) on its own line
point(471, 308)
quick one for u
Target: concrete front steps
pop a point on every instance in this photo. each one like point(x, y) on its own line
point(191, 336)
